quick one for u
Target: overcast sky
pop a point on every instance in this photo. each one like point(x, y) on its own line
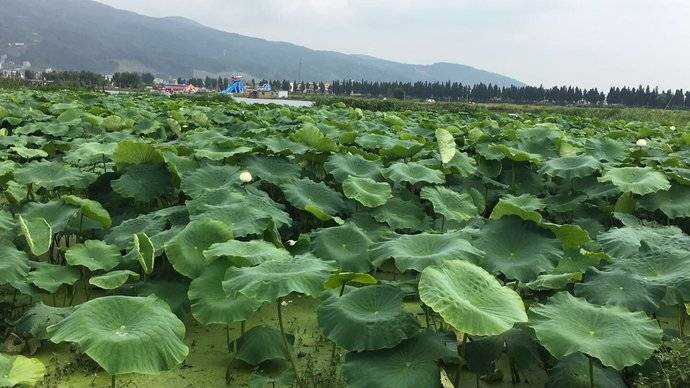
point(579, 42)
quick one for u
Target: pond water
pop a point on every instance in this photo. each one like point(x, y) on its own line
point(296, 103)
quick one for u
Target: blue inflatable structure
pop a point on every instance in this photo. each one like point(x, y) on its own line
point(237, 86)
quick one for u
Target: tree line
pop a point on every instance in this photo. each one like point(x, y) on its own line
point(563, 95)
point(442, 91)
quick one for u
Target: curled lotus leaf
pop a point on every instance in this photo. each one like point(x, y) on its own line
point(113, 280)
point(20, 371)
point(470, 299)
point(525, 206)
point(90, 209)
point(38, 234)
point(367, 191)
point(412, 173)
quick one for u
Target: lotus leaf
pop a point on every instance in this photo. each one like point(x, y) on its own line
point(614, 335)
point(112, 280)
point(90, 209)
point(303, 192)
point(419, 251)
point(637, 180)
point(246, 253)
point(525, 206)
point(367, 191)
point(125, 334)
point(451, 204)
point(413, 173)
point(342, 166)
point(621, 288)
point(20, 370)
point(570, 167)
point(367, 318)
point(14, 265)
point(470, 299)
point(94, 255)
point(262, 343)
point(209, 302)
point(346, 244)
point(38, 234)
point(186, 250)
point(51, 277)
point(274, 279)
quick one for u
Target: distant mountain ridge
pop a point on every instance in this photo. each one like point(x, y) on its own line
point(87, 35)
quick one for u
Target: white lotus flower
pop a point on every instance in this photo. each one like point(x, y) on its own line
point(672, 127)
point(245, 176)
point(283, 303)
point(641, 143)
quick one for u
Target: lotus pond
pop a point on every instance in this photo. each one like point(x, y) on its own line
point(150, 241)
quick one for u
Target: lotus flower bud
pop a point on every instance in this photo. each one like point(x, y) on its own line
point(672, 127)
point(641, 143)
point(245, 177)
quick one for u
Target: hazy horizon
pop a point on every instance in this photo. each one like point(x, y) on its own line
point(585, 43)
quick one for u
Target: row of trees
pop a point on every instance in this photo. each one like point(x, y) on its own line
point(445, 91)
point(454, 91)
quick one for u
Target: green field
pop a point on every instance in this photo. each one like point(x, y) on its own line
point(186, 242)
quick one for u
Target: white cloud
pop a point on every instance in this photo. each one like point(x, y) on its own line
point(583, 42)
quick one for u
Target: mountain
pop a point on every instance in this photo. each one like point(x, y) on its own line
point(87, 35)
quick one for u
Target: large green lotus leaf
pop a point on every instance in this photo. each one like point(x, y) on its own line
point(470, 299)
point(342, 166)
point(367, 318)
point(402, 214)
point(37, 233)
point(144, 182)
point(125, 334)
point(303, 192)
point(249, 212)
point(658, 266)
point(282, 145)
point(314, 138)
point(94, 255)
point(36, 319)
point(462, 164)
point(273, 169)
point(179, 166)
point(90, 209)
point(606, 149)
point(185, 251)
point(151, 223)
point(56, 212)
point(449, 203)
point(518, 249)
point(113, 280)
point(628, 240)
point(209, 178)
point(130, 152)
point(419, 251)
point(209, 302)
point(674, 203)
point(525, 206)
point(246, 253)
point(614, 335)
point(346, 244)
point(411, 364)
point(446, 145)
point(50, 277)
point(274, 279)
point(520, 345)
point(367, 191)
point(51, 175)
point(89, 153)
point(14, 265)
point(263, 343)
point(412, 173)
point(637, 180)
point(621, 288)
point(571, 167)
point(20, 371)
point(573, 371)
point(28, 153)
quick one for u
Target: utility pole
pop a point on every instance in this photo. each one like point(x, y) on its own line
point(299, 73)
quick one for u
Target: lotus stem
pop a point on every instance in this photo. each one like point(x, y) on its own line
point(285, 341)
point(591, 372)
point(227, 338)
point(461, 353)
point(681, 320)
point(112, 381)
point(242, 327)
point(342, 290)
